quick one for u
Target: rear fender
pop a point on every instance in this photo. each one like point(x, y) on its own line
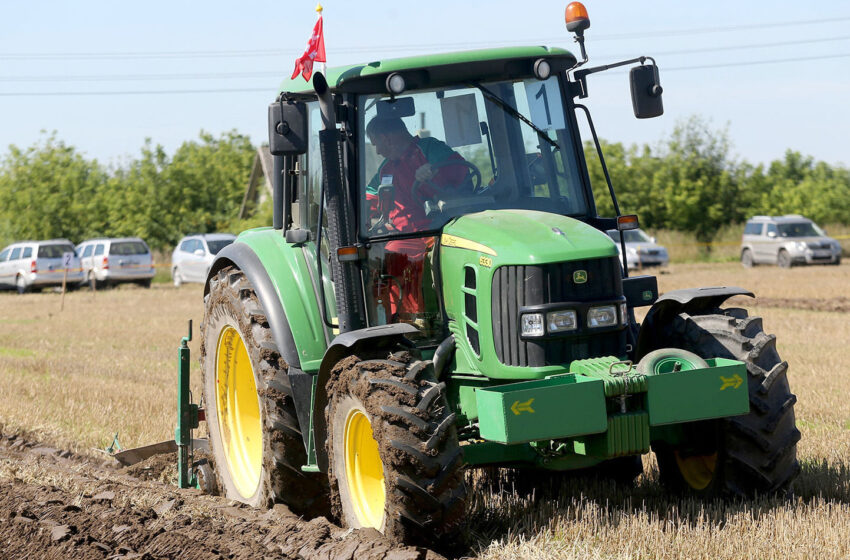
point(285, 293)
point(692, 300)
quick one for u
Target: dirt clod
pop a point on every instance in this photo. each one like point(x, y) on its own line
point(73, 507)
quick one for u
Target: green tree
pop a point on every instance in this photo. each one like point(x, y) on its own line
point(49, 190)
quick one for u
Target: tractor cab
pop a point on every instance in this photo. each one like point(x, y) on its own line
point(423, 142)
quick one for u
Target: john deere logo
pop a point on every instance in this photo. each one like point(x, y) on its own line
point(580, 276)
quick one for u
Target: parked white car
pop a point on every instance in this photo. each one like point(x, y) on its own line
point(193, 256)
point(114, 260)
point(641, 249)
point(29, 265)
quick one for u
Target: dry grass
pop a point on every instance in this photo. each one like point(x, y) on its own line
point(108, 363)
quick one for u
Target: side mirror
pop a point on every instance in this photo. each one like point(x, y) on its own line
point(287, 128)
point(771, 234)
point(200, 252)
point(652, 240)
point(646, 91)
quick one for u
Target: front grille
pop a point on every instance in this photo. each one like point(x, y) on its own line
point(523, 285)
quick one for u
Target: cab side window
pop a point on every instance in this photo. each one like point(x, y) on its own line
point(87, 251)
point(771, 228)
point(98, 250)
point(310, 180)
point(753, 229)
point(16, 254)
point(4, 254)
point(27, 253)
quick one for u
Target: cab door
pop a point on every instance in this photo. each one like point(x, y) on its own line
point(305, 186)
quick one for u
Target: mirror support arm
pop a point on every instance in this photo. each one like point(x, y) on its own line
point(581, 75)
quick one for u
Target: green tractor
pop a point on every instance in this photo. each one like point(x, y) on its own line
point(437, 293)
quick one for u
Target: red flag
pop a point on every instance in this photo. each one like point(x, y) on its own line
point(315, 53)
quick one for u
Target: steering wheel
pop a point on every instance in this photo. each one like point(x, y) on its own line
point(473, 170)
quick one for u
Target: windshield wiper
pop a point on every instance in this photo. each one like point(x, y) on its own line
point(492, 97)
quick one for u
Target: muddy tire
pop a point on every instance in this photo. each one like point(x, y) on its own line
point(743, 455)
point(254, 433)
point(405, 480)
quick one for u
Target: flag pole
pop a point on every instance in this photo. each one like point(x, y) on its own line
point(319, 10)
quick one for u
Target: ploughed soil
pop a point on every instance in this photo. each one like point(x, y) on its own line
point(840, 304)
point(836, 304)
point(55, 504)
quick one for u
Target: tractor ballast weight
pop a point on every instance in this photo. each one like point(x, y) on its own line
point(351, 358)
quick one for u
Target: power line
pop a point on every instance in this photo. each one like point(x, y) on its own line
point(269, 90)
point(133, 77)
point(395, 48)
point(758, 62)
point(712, 49)
point(280, 74)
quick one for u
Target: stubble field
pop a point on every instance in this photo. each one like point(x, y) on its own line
point(107, 363)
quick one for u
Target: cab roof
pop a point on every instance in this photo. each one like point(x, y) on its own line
point(437, 69)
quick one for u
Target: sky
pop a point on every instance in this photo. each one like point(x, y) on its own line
point(106, 76)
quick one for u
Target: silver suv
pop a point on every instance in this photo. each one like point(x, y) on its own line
point(641, 249)
point(193, 256)
point(787, 241)
point(30, 265)
point(111, 261)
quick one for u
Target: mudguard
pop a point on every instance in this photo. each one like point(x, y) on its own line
point(691, 300)
point(244, 258)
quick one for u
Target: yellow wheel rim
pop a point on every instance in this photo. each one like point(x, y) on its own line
point(697, 470)
point(364, 471)
point(238, 409)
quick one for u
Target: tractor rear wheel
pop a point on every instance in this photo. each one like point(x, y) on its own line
point(254, 433)
point(740, 455)
point(394, 459)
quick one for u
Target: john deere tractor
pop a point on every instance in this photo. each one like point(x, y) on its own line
point(360, 361)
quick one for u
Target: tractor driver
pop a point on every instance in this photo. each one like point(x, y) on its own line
point(417, 168)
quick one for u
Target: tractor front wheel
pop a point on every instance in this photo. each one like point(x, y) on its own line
point(739, 455)
point(394, 460)
point(254, 433)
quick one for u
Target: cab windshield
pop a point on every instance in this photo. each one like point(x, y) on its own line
point(432, 155)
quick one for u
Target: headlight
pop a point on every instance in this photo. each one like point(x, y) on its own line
point(800, 246)
point(605, 316)
point(532, 324)
point(560, 321)
point(624, 313)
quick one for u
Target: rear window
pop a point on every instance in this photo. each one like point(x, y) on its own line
point(54, 251)
point(218, 245)
point(128, 248)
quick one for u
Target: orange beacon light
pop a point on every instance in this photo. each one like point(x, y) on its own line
point(576, 17)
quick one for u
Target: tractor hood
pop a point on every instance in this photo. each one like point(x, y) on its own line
point(527, 237)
